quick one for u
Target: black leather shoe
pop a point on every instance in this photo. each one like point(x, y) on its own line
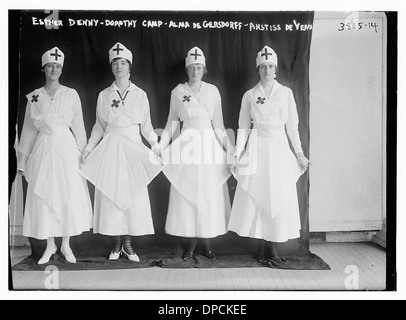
point(187, 255)
point(278, 260)
point(210, 255)
point(261, 259)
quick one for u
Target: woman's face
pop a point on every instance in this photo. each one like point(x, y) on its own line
point(267, 71)
point(195, 72)
point(120, 68)
point(53, 71)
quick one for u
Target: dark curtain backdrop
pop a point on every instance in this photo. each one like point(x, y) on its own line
point(158, 66)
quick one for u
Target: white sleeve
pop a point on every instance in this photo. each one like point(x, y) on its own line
point(146, 126)
point(218, 124)
point(171, 124)
point(78, 126)
point(27, 139)
point(244, 125)
point(98, 128)
point(292, 124)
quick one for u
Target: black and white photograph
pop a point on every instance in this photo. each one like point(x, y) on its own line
point(196, 151)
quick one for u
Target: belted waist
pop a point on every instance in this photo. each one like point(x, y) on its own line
point(123, 130)
point(51, 130)
point(197, 123)
point(269, 131)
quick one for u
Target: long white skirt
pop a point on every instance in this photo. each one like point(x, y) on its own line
point(120, 168)
point(58, 202)
point(265, 204)
point(199, 202)
point(206, 221)
point(113, 221)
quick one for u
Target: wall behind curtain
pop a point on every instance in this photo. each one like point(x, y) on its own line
point(347, 73)
point(158, 66)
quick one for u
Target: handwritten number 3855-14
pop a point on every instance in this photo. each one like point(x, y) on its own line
point(358, 26)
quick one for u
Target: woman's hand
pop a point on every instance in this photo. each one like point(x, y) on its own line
point(303, 161)
point(83, 157)
point(232, 167)
point(21, 163)
point(157, 150)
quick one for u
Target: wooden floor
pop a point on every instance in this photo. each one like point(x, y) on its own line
point(354, 266)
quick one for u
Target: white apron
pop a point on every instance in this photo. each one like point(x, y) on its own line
point(121, 167)
point(58, 202)
point(265, 204)
point(199, 204)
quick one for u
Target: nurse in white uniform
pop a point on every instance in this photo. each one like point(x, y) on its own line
point(117, 162)
point(53, 136)
point(265, 205)
point(199, 204)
